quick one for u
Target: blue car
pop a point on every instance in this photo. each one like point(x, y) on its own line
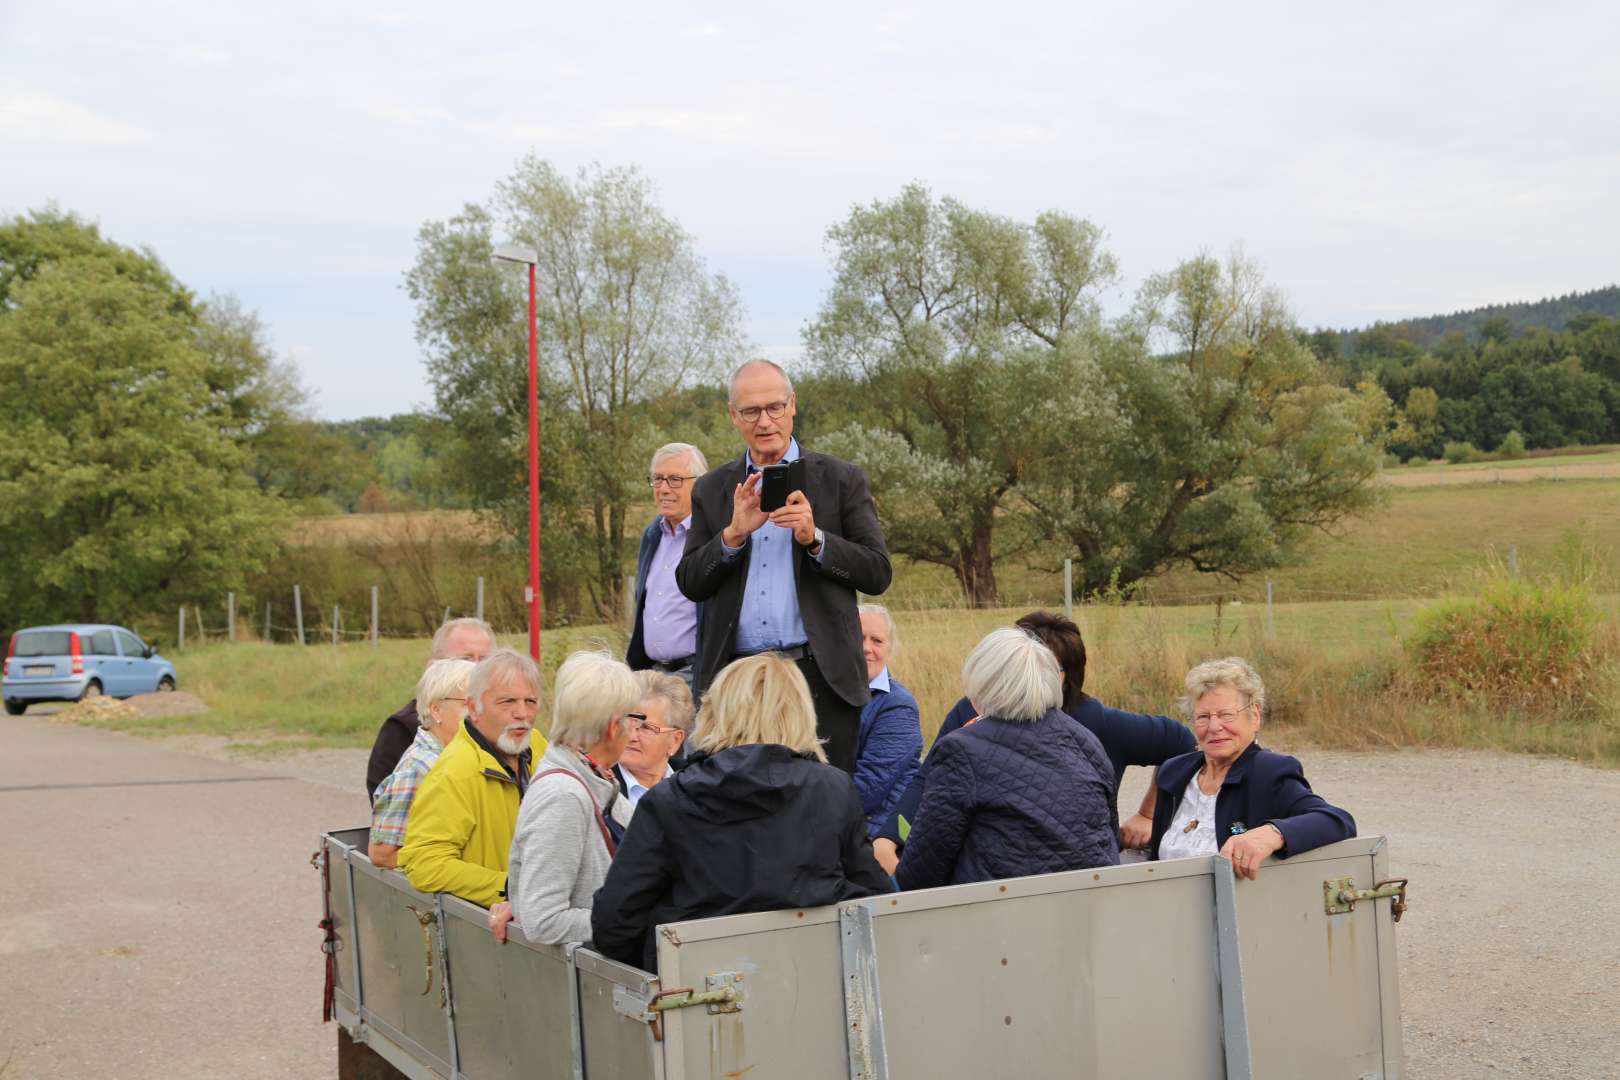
point(74, 661)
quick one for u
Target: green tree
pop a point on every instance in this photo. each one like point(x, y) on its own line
point(628, 315)
point(959, 326)
point(123, 487)
point(1223, 442)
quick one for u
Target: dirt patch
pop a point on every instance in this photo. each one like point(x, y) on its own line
point(173, 703)
point(1485, 474)
point(95, 710)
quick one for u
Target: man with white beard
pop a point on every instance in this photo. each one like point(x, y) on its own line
point(459, 832)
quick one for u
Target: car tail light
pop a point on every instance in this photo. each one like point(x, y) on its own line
point(77, 653)
point(11, 650)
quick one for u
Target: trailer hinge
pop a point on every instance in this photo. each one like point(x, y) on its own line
point(1340, 895)
point(722, 993)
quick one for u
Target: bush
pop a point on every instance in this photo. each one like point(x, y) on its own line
point(1459, 452)
point(1390, 460)
point(1512, 445)
point(1516, 643)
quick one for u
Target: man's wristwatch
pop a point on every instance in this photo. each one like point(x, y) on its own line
point(814, 546)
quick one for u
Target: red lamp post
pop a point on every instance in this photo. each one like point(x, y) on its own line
point(521, 253)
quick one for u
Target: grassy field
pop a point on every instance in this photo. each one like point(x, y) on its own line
point(1332, 649)
point(1422, 542)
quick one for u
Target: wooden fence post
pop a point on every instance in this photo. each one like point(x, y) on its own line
point(1271, 619)
point(334, 625)
point(230, 616)
point(480, 596)
point(182, 627)
point(298, 612)
point(267, 638)
point(374, 616)
point(1068, 589)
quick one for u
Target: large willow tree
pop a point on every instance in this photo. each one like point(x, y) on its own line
point(628, 315)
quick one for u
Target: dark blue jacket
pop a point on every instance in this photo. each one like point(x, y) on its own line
point(1007, 800)
point(1261, 787)
point(636, 655)
point(1127, 738)
point(888, 750)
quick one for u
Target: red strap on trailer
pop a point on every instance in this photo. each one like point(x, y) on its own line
point(328, 939)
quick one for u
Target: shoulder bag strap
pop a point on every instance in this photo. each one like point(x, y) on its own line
point(607, 837)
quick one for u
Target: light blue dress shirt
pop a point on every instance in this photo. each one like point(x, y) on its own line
point(770, 616)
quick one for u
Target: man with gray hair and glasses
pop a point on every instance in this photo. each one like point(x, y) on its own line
point(457, 639)
point(664, 636)
point(777, 567)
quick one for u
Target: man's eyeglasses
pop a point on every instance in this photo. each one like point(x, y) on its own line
point(750, 413)
point(674, 482)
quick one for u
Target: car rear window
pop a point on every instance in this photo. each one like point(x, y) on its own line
point(42, 643)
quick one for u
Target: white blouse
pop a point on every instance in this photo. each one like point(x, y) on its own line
point(1192, 830)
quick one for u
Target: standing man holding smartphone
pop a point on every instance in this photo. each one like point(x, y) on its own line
point(785, 580)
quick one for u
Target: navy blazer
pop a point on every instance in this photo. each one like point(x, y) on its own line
point(636, 655)
point(888, 750)
point(1261, 788)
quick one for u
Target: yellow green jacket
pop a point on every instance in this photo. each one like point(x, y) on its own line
point(460, 830)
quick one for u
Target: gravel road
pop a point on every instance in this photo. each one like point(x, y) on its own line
point(180, 943)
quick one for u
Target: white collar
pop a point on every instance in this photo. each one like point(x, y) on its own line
point(880, 681)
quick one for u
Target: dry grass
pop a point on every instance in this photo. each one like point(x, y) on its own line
point(343, 530)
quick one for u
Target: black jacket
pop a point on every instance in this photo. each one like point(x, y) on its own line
point(855, 559)
point(1260, 787)
point(1127, 738)
point(393, 739)
point(1008, 799)
point(751, 828)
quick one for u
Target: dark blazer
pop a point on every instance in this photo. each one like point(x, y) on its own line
point(888, 747)
point(636, 655)
point(751, 828)
point(393, 739)
point(854, 559)
point(1261, 788)
point(1008, 799)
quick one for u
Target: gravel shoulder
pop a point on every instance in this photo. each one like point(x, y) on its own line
point(191, 937)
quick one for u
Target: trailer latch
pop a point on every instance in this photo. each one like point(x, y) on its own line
point(722, 994)
point(1340, 895)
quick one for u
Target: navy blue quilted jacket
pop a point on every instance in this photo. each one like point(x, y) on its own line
point(1006, 800)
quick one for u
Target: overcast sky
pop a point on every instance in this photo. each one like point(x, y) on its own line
point(1379, 162)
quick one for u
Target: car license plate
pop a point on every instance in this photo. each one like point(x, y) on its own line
point(39, 669)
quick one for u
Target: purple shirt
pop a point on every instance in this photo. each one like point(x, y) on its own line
point(668, 619)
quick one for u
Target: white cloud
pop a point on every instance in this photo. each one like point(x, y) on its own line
point(43, 118)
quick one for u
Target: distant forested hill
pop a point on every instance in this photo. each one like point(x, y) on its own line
point(1571, 311)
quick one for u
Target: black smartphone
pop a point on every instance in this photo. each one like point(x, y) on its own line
point(779, 481)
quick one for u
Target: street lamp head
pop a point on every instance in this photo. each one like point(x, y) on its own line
point(518, 253)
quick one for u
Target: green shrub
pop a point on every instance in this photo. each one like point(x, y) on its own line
point(1390, 460)
point(1516, 643)
point(1512, 446)
point(1459, 452)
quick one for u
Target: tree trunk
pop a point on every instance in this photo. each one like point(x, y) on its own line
point(976, 570)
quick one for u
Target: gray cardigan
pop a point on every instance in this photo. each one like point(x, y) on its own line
point(558, 857)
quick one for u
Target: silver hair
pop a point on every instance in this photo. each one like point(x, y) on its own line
point(669, 450)
point(441, 636)
point(1233, 671)
point(731, 394)
point(1012, 675)
point(894, 631)
point(673, 691)
point(442, 679)
point(496, 668)
point(591, 689)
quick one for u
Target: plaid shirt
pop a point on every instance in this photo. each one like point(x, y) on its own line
point(394, 795)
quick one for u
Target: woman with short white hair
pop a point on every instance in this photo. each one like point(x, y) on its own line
point(1231, 796)
point(1020, 789)
point(756, 821)
point(441, 705)
point(562, 847)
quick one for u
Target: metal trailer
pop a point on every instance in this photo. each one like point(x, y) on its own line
point(1172, 969)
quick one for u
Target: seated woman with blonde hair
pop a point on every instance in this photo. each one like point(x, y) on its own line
point(441, 702)
point(756, 821)
point(1230, 796)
